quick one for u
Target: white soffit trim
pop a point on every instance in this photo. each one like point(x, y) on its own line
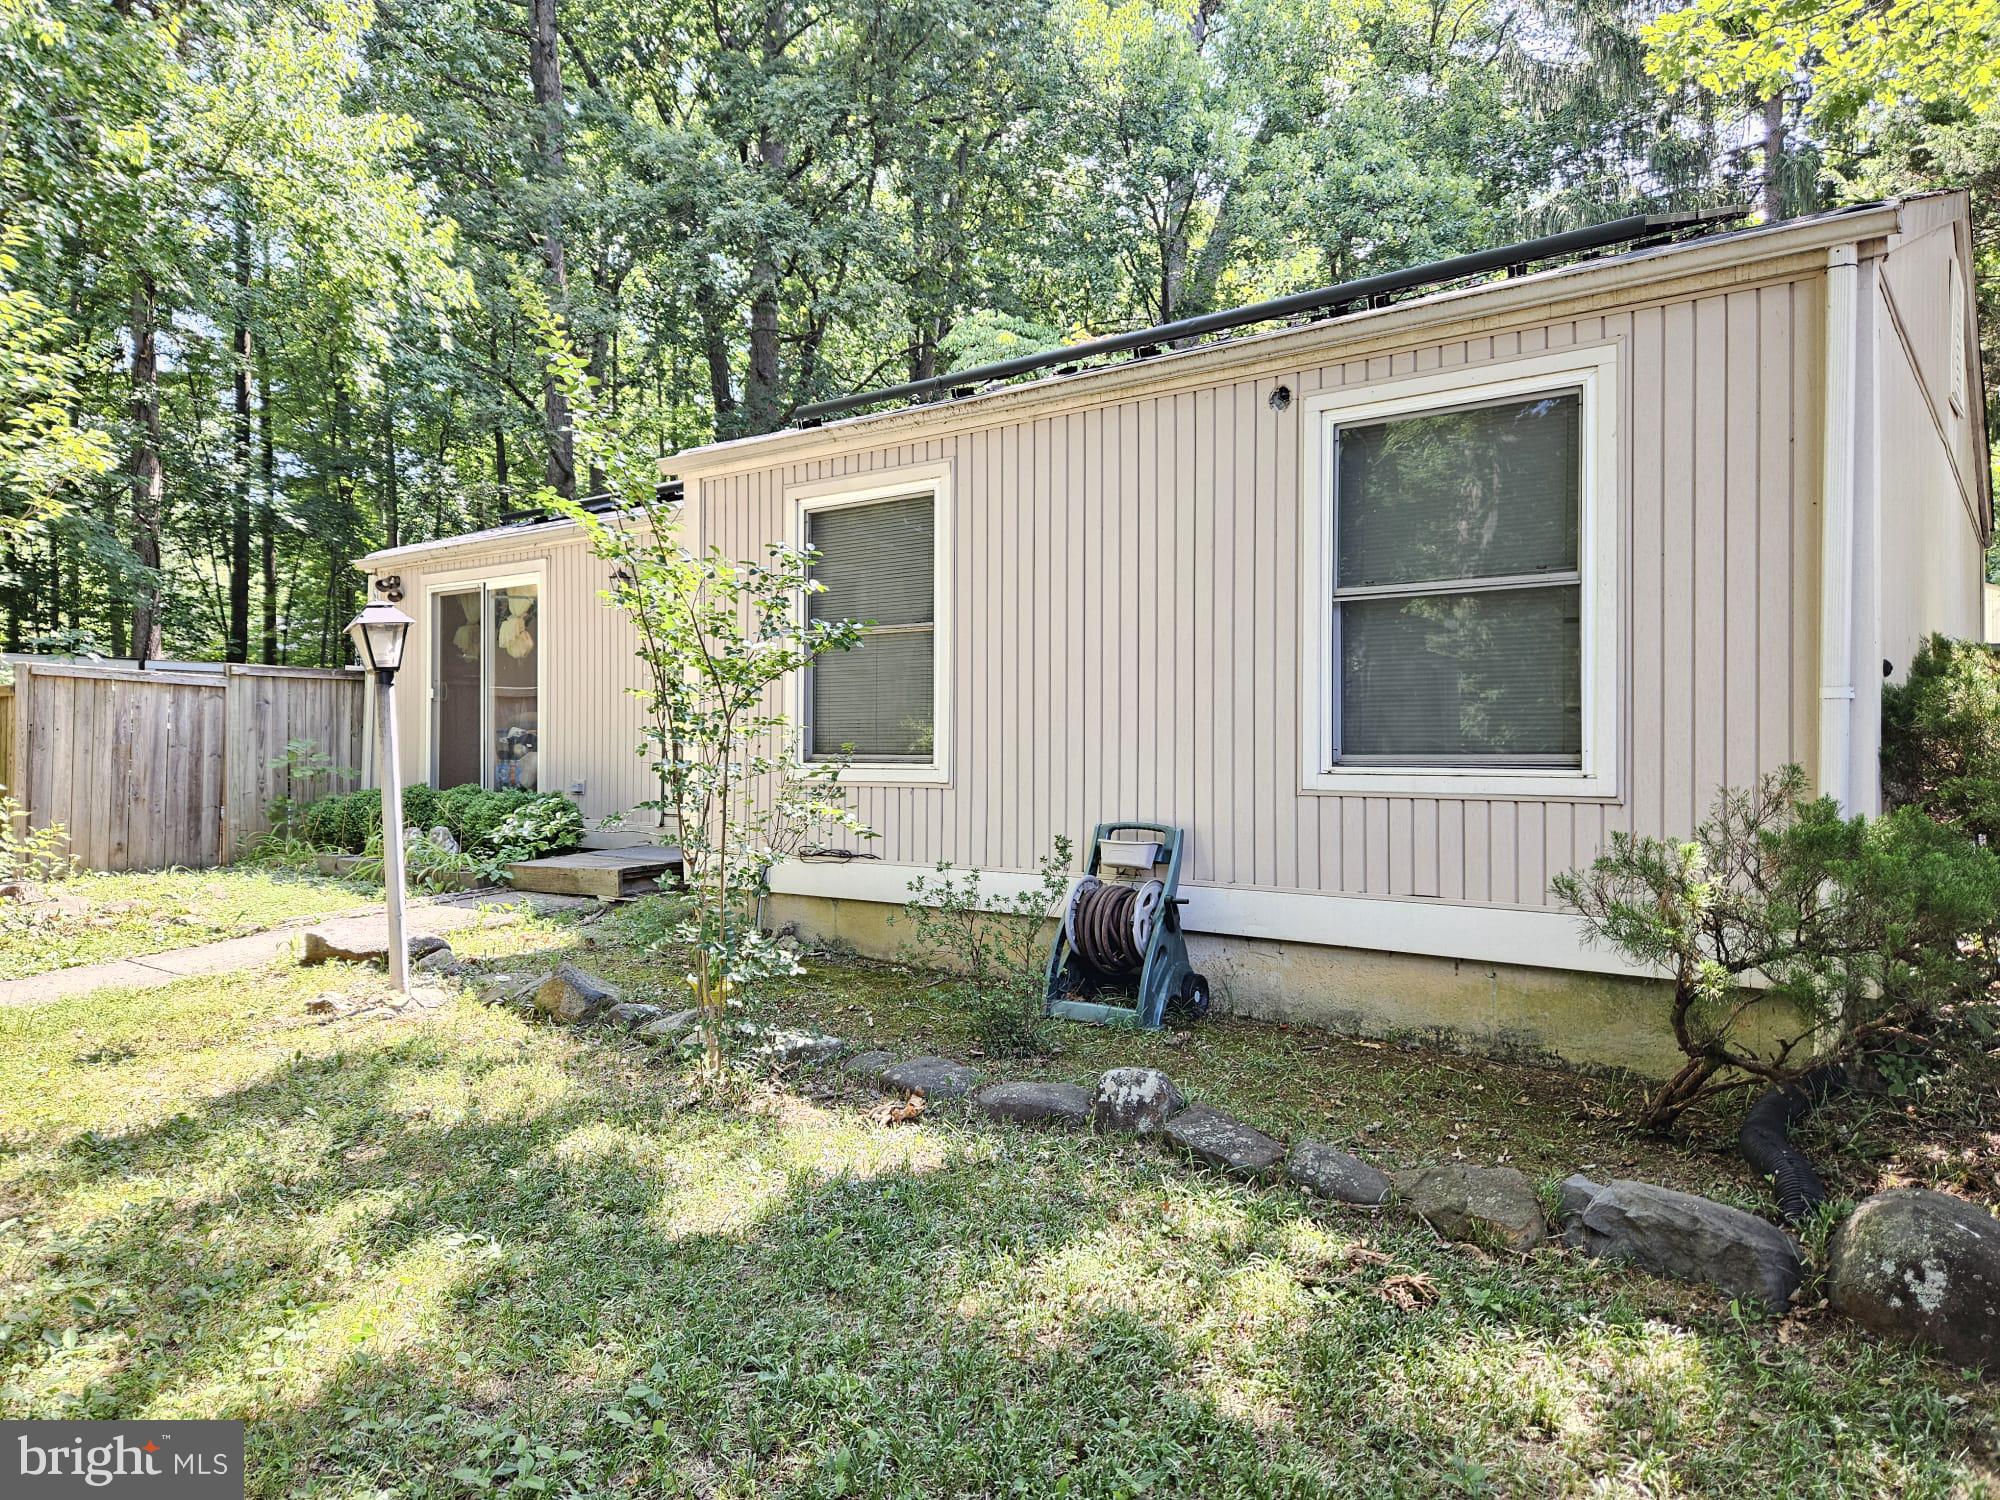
point(1433, 929)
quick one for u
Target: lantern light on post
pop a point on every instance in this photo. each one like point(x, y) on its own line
point(379, 633)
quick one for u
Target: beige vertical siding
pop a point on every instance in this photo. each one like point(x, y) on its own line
point(590, 723)
point(1125, 596)
point(1933, 507)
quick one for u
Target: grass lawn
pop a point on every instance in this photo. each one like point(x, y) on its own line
point(90, 917)
point(456, 1253)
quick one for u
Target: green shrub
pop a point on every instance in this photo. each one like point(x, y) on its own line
point(993, 949)
point(548, 824)
point(479, 820)
point(342, 823)
point(472, 813)
point(420, 807)
point(1941, 736)
point(1859, 930)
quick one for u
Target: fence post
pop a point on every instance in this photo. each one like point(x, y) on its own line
point(232, 729)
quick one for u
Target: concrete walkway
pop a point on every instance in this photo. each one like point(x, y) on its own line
point(433, 917)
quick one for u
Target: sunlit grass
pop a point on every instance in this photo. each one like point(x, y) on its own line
point(401, 1247)
point(92, 917)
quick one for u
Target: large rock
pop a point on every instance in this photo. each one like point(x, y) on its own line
point(868, 1065)
point(933, 1077)
point(1686, 1237)
point(1490, 1205)
point(669, 1029)
point(1925, 1266)
point(782, 1049)
point(1339, 1175)
point(572, 995)
point(1137, 1100)
point(440, 960)
point(1576, 1191)
point(514, 991)
point(1225, 1142)
point(361, 946)
point(1035, 1103)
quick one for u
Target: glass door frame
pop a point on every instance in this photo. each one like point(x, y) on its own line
point(465, 581)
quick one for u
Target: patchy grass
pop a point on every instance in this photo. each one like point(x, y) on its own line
point(89, 918)
point(454, 1253)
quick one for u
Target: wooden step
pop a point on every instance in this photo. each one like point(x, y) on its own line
point(607, 874)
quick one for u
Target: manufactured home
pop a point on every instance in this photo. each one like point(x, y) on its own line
point(1398, 599)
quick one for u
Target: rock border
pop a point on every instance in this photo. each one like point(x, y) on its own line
point(1676, 1235)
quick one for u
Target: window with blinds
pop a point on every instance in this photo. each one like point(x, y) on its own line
point(1457, 586)
point(877, 566)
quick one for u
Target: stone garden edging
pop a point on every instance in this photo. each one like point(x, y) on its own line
point(1912, 1264)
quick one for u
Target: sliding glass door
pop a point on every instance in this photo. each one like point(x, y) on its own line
point(485, 685)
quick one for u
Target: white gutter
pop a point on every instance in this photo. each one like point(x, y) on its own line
point(1839, 435)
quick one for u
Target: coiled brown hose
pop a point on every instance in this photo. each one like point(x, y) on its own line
point(1104, 929)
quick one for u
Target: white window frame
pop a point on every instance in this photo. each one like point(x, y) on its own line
point(463, 580)
point(1591, 371)
point(910, 483)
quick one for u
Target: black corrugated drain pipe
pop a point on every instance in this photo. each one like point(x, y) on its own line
point(1765, 1139)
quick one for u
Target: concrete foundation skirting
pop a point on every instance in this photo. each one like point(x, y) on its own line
point(1597, 1021)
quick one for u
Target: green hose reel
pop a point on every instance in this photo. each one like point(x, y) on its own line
point(1119, 958)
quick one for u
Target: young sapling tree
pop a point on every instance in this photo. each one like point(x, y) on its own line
point(718, 638)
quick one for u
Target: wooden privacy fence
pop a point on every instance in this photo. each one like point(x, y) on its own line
point(147, 769)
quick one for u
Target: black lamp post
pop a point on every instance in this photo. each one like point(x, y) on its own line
point(379, 633)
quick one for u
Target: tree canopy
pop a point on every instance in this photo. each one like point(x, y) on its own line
point(273, 277)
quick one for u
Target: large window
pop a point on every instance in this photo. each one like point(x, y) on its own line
point(1455, 585)
point(1461, 550)
point(877, 565)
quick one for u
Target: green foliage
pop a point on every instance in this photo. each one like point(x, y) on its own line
point(303, 763)
point(486, 824)
point(474, 814)
point(718, 639)
point(342, 823)
point(549, 824)
point(1864, 58)
point(993, 950)
point(1792, 935)
point(1941, 736)
point(428, 865)
point(30, 854)
point(724, 216)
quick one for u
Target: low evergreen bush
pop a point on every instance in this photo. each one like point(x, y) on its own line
point(1941, 737)
point(1793, 935)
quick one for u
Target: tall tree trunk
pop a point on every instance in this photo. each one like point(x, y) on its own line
point(16, 597)
point(1772, 198)
point(148, 480)
point(239, 508)
point(392, 505)
point(267, 515)
point(762, 400)
point(500, 472)
point(545, 74)
point(715, 349)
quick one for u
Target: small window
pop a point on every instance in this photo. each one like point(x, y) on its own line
point(1457, 586)
point(877, 565)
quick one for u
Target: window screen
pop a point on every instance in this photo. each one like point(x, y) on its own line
point(1456, 586)
point(876, 565)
